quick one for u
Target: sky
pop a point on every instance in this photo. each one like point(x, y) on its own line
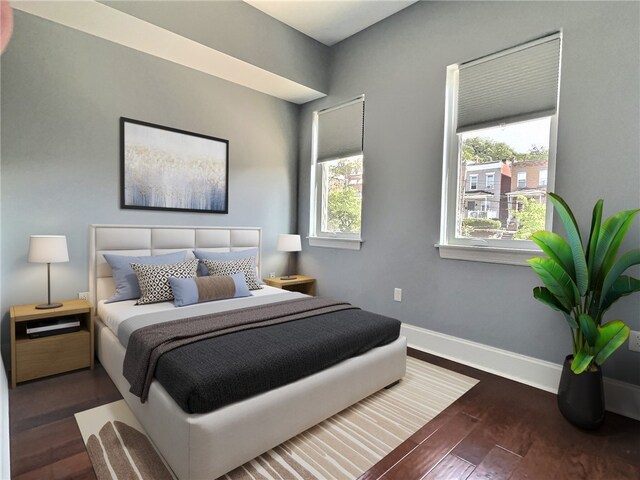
point(519, 136)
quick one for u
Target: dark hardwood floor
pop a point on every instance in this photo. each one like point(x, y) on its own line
point(499, 430)
point(502, 429)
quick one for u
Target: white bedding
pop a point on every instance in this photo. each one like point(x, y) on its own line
point(113, 314)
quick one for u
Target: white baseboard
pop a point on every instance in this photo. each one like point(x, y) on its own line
point(621, 397)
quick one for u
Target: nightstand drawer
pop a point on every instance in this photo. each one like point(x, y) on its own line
point(39, 357)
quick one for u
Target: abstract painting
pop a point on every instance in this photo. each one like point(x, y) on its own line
point(164, 168)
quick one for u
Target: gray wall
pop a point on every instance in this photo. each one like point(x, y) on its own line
point(399, 64)
point(62, 95)
point(242, 31)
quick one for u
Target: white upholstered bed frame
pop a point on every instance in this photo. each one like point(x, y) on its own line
point(205, 446)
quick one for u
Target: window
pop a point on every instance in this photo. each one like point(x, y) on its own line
point(522, 179)
point(543, 178)
point(490, 180)
point(337, 170)
point(500, 121)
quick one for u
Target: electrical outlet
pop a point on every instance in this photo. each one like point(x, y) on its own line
point(634, 341)
point(83, 296)
point(397, 294)
point(272, 274)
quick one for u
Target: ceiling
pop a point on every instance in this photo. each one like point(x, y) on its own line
point(330, 22)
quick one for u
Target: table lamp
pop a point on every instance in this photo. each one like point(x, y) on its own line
point(48, 249)
point(289, 243)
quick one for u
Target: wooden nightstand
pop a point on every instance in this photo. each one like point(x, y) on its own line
point(301, 283)
point(38, 357)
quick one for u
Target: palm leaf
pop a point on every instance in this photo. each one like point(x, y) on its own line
point(557, 248)
point(581, 361)
point(612, 232)
point(596, 220)
point(610, 337)
point(544, 295)
point(589, 329)
point(570, 320)
point(575, 241)
point(622, 286)
point(630, 258)
point(557, 281)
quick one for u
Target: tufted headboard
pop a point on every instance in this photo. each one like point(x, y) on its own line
point(155, 240)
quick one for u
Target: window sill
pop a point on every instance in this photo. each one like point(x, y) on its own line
point(506, 256)
point(344, 243)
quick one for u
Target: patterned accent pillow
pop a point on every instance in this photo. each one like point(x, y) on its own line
point(154, 279)
point(188, 291)
point(229, 267)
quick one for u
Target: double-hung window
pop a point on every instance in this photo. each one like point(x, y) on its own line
point(337, 169)
point(522, 179)
point(500, 123)
point(490, 180)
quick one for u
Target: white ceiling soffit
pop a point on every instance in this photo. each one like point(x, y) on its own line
point(110, 24)
point(330, 22)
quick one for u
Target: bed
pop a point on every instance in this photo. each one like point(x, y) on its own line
point(199, 446)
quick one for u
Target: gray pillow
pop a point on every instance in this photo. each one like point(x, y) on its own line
point(127, 287)
point(224, 256)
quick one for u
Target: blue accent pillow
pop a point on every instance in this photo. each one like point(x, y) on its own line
point(187, 291)
point(225, 256)
point(127, 286)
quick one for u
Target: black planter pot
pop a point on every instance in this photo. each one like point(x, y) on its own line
point(581, 397)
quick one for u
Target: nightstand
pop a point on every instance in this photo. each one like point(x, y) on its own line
point(301, 283)
point(47, 355)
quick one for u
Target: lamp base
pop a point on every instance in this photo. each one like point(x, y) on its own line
point(289, 277)
point(44, 306)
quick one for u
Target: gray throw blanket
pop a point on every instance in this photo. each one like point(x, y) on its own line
point(147, 344)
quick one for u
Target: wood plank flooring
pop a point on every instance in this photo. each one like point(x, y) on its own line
point(499, 430)
point(502, 429)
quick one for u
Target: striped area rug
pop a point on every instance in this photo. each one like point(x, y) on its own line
point(342, 447)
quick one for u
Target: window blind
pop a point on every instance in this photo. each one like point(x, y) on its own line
point(515, 85)
point(341, 130)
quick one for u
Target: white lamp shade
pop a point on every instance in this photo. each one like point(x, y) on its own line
point(48, 249)
point(289, 243)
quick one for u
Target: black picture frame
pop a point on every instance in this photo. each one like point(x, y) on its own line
point(165, 168)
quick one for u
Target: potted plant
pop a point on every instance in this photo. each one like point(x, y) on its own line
point(582, 281)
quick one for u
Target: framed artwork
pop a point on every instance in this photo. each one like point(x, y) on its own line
point(163, 168)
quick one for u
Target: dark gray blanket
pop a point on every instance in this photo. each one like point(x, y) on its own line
point(210, 374)
point(146, 345)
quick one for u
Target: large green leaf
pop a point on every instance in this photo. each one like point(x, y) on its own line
point(612, 233)
point(581, 361)
point(570, 320)
point(630, 258)
point(575, 241)
point(544, 295)
point(622, 286)
point(610, 337)
point(596, 220)
point(557, 248)
point(589, 329)
point(557, 281)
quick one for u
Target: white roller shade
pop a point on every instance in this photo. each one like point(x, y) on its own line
point(341, 131)
point(518, 84)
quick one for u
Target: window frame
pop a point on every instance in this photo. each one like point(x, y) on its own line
point(472, 177)
point(493, 180)
point(511, 252)
point(318, 238)
point(546, 178)
point(522, 175)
